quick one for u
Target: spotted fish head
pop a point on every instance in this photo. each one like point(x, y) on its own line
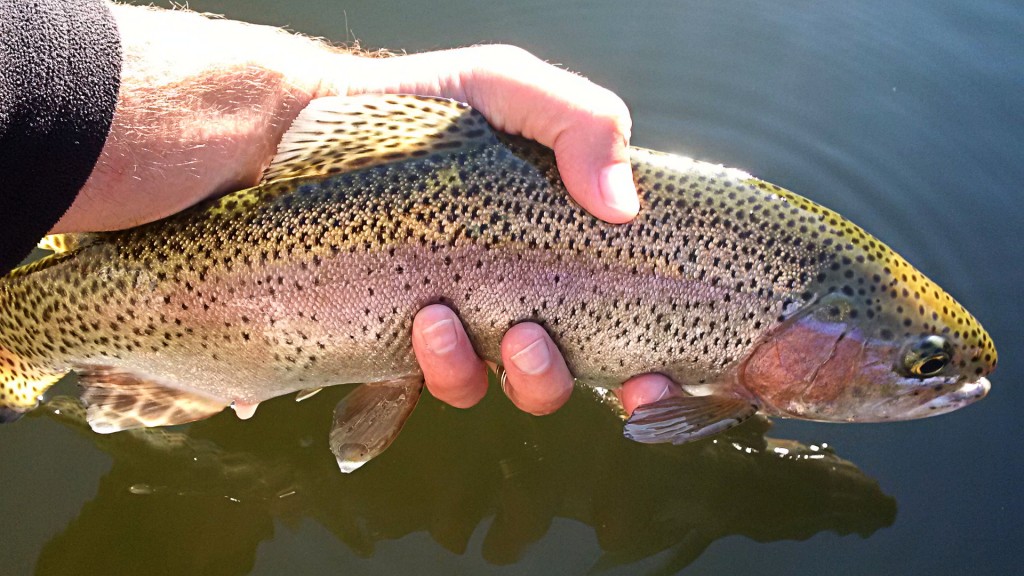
point(869, 339)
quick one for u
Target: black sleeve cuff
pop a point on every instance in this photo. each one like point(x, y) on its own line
point(60, 70)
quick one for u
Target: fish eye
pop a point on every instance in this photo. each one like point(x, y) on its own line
point(926, 357)
point(930, 366)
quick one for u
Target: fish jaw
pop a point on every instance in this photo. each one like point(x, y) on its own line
point(967, 393)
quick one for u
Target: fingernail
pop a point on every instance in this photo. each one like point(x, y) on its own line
point(618, 190)
point(441, 337)
point(533, 359)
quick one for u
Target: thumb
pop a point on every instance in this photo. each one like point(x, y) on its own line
point(593, 161)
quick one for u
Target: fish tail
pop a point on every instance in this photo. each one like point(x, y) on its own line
point(24, 375)
point(22, 384)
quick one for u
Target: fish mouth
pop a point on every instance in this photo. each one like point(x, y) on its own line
point(968, 393)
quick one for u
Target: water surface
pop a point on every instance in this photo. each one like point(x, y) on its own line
point(905, 117)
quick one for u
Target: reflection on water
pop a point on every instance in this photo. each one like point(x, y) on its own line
point(215, 493)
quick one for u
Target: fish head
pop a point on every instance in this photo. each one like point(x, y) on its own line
point(870, 340)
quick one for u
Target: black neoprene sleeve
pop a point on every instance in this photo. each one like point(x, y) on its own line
point(60, 69)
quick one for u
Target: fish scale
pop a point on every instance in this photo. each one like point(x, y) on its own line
point(617, 295)
point(312, 278)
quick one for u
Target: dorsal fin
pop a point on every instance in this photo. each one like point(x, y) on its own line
point(344, 133)
point(41, 264)
point(61, 243)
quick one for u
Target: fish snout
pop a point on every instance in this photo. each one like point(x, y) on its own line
point(967, 393)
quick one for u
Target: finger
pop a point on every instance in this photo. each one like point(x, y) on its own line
point(645, 389)
point(594, 164)
point(451, 369)
point(586, 125)
point(537, 379)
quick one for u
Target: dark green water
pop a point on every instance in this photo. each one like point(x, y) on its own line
point(907, 117)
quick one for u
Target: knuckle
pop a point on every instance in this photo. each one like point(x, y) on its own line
point(550, 402)
point(512, 51)
point(505, 55)
point(610, 112)
point(602, 114)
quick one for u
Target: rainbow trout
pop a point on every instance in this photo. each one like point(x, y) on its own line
point(748, 296)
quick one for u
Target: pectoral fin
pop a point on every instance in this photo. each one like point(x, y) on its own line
point(684, 419)
point(118, 401)
point(307, 393)
point(369, 419)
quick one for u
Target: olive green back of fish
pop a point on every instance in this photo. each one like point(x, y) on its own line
point(386, 205)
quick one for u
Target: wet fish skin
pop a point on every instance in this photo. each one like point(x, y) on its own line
point(313, 278)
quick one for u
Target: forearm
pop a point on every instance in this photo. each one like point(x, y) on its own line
point(202, 105)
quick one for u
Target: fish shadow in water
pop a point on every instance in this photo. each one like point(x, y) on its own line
point(201, 499)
